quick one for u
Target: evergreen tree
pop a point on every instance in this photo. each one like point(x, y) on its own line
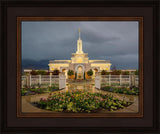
point(70, 73)
point(90, 72)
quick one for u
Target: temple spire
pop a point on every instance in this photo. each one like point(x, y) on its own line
point(79, 44)
point(79, 33)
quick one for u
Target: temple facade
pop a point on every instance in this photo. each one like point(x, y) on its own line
point(79, 63)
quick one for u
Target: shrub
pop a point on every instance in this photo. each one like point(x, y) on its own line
point(23, 92)
point(36, 90)
point(122, 90)
point(116, 72)
point(70, 72)
point(125, 73)
point(53, 88)
point(47, 73)
point(136, 72)
point(56, 72)
point(33, 72)
point(42, 72)
point(90, 72)
point(103, 72)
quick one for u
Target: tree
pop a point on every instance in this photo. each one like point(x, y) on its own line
point(107, 73)
point(90, 72)
point(48, 73)
point(33, 72)
point(136, 72)
point(70, 72)
point(116, 72)
point(103, 72)
point(56, 72)
point(41, 72)
point(125, 73)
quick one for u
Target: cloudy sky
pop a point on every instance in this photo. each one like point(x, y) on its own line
point(116, 41)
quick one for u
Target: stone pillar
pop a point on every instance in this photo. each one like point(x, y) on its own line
point(120, 80)
point(50, 78)
point(109, 79)
point(132, 79)
point(28, 80)
point(39, 79)
point(62, 80)
point(97, 80)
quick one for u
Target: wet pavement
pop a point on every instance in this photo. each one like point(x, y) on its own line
point(27, 101)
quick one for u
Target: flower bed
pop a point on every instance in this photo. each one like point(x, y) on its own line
point(33, 91)
point(122, 90)
point(81, 101)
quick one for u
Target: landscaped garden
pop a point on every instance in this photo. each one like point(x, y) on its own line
point(81, 101)
point(122, 90)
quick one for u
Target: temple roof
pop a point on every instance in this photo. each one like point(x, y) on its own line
point(99, 61)
point(69, 61)
point(60, 61)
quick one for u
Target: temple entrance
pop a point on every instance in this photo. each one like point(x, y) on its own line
point(79, 72)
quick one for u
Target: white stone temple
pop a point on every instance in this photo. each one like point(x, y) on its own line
point(79, 63)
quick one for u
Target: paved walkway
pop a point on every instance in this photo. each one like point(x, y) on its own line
point(28, 107)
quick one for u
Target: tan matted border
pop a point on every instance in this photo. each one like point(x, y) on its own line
point(19, 112)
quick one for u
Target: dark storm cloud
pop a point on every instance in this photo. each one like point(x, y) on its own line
point(114, 41)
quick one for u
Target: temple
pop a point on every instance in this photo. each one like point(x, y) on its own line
point(79, 63)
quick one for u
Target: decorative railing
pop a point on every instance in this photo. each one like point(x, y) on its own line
point(39, 80)
point(119, 80)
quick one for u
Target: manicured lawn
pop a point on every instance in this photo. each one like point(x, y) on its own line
point(81, 101)
point(122, 90)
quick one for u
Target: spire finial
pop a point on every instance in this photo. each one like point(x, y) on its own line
point(79, 33)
